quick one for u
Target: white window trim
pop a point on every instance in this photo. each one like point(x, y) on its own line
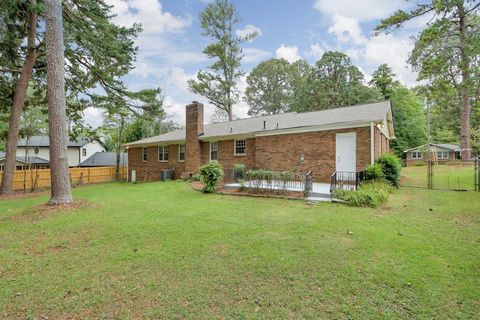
point(144, 150)
point(442, 152)
point(158, 153)
point(210, 151)
point(184, 152)
point(235, 148)
point(419, 153)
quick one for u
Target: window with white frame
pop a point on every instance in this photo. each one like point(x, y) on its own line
point(144, 154)
point(442, 154)
point(240, 147)
point(214, 150)
point(181, 152)
point(163, 153)
point(416, 155)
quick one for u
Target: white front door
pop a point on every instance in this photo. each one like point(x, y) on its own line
point(345, 152)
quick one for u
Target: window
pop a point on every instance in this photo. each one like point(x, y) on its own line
point(181, 152)
point(84, 152)
point(416, 155)
point(163, 153)
point(213, 150)
point(240, 147)
point(442, 154)
point(144, 154)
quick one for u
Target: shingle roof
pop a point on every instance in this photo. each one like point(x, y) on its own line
point(104, 159)
point(353, 114)
point(448, 146)
point(32, 160)
point(44, 141)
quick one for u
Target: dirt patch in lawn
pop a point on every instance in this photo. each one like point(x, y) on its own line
point(43, 211)
point(23, 195)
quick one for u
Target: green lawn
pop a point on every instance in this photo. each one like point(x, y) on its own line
point(162, 250)
point(459, 177)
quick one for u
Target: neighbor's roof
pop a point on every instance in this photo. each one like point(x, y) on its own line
point(448, 146)
point(104, 159)
point(32, 160)
point(44, 141)
point(372, 112)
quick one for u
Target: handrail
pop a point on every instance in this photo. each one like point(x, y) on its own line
point(347, 180)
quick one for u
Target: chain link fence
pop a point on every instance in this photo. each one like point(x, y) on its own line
point(454, 175)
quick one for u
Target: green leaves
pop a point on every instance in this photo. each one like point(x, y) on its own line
point(218, 84)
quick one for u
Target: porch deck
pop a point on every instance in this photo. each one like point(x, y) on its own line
point(320, 191)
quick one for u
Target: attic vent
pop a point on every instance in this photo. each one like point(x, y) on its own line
point(264, 124)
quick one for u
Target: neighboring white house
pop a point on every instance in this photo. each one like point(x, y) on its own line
point(79, 149)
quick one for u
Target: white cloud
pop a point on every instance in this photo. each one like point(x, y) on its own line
point(386, 48)
point(361, 10)
point(149, 13)
point(316, 51)
point(253, 55)
point(249, 29)
point(289, 53)
point(346, 29)
point(93, 117)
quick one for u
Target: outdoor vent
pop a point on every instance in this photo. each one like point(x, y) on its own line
point(277, 125)
point(264, 124)
point(231, 129)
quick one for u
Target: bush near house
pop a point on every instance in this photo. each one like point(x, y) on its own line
point(374, 172)
point(369, 194)
point(391, 168)
point(211, 174)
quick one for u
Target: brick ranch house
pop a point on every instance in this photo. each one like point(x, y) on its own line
point(342, 139)
point(440, 152)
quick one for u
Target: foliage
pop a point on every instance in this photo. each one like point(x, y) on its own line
point(374, 172)
point(268, 180)
point(371, 194)
point(391, 168)
point(239, 171)
point(446, 53)
point(269, 87)
point(409, 120)
point(212, 174)
point(340, 83)
point(303, 86)
point(218, 84)
point(383, 79)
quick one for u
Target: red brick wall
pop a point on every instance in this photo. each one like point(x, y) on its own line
point(382, 144)
point(226, 153)
point(282, 152)
point(150, 170)
point(194, 127)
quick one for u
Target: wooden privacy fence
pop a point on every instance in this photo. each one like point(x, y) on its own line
point(40, 178)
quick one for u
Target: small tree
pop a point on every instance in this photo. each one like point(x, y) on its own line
point(391, 168)
point(211, 174)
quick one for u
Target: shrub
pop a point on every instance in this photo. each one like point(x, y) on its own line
point(374, 172)
point(239, 170)
point(391, 168)
point(211, 174)
point(369, 194)
point(196, 177)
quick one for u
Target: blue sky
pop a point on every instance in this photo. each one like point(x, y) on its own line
point(170, 47)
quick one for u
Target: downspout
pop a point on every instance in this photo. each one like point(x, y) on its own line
point(128, 167)
point(372, 144)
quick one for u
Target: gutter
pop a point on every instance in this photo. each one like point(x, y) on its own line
point(372, 143)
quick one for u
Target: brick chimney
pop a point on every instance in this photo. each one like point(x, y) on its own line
point(194, 128)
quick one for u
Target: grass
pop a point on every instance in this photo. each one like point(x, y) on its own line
point(162, 250)
point(452, 177)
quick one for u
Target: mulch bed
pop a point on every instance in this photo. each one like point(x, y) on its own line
point(43, 211)
point(198, 185)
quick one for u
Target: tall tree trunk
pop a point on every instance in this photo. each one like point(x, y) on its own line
point(61, 192)
point(18, 104)
point(465, 113)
